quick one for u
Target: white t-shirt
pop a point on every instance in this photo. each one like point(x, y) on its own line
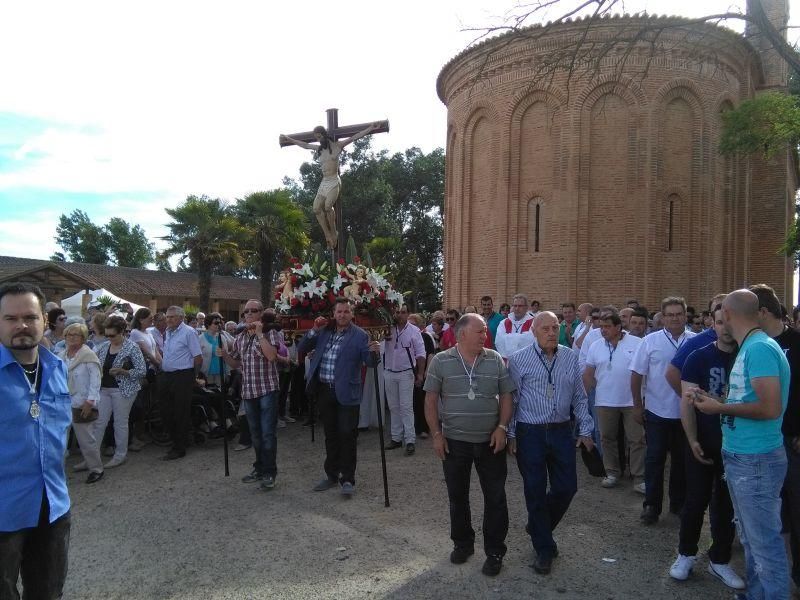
point(137, 336)
point(614, 384)
point(591, 337)
point(506, 343)
point(651, 360)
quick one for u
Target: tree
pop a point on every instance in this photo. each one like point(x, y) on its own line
point(81, 239)
point(276, 227)
point(115, 243)
point(207, 233)
point(391, 205)
point(128, 245)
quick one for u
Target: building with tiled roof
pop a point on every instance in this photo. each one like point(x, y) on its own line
point(154, 289)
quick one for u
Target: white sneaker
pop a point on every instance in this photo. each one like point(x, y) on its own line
point(682, 567)
point(240, 447)
point(640, 488)
point(81, 466)
point(289, 419)
point(726, 575)
point(609, 481)
point(115, 462)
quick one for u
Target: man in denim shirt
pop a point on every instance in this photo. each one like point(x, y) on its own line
point(36, 408)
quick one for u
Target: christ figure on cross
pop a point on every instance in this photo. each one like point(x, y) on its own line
point(327, 151)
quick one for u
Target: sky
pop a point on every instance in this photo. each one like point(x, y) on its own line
point(125, 109)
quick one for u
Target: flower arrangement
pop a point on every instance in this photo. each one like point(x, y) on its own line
point(310, 289)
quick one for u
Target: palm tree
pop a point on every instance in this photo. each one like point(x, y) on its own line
point(277, 228)
point(205, 231)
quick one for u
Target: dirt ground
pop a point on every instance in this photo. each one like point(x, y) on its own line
point(182, 530)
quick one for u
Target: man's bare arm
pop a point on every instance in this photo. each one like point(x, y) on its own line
point(357, 136)
point(306, 145)
point(673, 376)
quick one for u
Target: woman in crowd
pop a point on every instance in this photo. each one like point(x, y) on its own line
point(83, 367)
point(505, 309)
point(209, 340)
point(448, 339)
point(97, 333)
point(56, 321)
point(142, 319)
point(123, 367)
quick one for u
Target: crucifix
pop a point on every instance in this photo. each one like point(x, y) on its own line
point(327, 145)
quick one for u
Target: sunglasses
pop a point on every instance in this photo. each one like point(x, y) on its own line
point(450, 319)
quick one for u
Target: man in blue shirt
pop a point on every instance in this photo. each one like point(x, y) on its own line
point(492, 318)
point(752, 444)
point(34, 503)
point(549, 389)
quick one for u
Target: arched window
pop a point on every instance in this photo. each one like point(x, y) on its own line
point(535, 224)
point(672, 222)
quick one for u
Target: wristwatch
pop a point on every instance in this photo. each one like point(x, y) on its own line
point(503, 427)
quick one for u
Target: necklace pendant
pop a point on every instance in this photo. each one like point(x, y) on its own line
point(550, 391)
point(609, 367)
point(471, 394)
point(35, 410)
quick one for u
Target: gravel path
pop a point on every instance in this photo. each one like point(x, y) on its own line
point(181, 530)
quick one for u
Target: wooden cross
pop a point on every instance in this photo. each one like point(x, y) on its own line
point(337, 132)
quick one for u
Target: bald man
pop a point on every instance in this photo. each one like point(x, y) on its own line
point(752, 443)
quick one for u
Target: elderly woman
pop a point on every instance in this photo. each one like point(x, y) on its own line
point(84, 389)
point(209, 340)
point(123, 367)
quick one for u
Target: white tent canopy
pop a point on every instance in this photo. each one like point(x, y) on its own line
point(72, 305)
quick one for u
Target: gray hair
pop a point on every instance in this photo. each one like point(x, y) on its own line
point(464, 320)
point(177, 310)
point(519, 297)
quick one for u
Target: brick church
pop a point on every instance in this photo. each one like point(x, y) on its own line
point(607, 185)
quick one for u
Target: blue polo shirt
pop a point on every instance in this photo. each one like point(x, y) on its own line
point(493, 323)
point(32, 450)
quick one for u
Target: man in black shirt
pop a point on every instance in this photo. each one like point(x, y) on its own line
point(788, 339)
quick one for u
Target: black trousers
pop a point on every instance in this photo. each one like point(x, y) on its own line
point(340, 424)
point(39, 554)
point(420, 424)
point(175, 402)
point(664, 436)
point(791, 507)
point(706, 488)
point(492, 471)
point(297, 398)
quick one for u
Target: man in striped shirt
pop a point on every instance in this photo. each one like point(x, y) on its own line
point(467, 381)
point(548, 384)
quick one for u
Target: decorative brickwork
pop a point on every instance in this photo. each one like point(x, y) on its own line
point(609, 186)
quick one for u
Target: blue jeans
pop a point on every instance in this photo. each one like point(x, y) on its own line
point(262, 418)
point(755, 482)
point(664, 436)
point(544, 452)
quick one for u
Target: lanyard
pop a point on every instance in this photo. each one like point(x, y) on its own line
point(611, 350)
point(471, 393)
point(677, 346)
point(550, 368)
point(518, 327)
point(397, 335)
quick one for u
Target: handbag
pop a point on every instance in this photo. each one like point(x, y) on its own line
point(77, 416)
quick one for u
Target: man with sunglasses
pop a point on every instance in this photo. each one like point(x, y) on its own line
point(179, 367)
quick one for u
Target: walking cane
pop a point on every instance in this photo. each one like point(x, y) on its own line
point(224, 396)
point(380, 434)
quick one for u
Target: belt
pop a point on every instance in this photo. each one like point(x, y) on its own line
point(331, 384)
point(548, 426)
point(403, 371)
point(180, 370)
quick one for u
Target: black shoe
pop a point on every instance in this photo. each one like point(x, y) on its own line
point(492, 565)
point(173, 455)
point(543, 564)
point(460, 555)
point(94, 477)
point(392, 445)
point(649, 515)
point(410, 449)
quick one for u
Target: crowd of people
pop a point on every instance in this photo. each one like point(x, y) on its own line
point(714, 393)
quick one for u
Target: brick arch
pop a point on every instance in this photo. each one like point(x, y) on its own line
point(534, 198)
point(625, 87)
point(479, 182)
point(684, 89)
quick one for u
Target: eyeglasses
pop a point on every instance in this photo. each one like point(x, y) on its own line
point(251, 311)
point(450, 319)
point(673, 315)
point(111, 336)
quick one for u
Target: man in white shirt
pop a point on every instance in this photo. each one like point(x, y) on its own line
point(514, 332)
point(403, 368)
point(607, 372)
point(660, 411)
point(158, 330)
point(583, 314)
